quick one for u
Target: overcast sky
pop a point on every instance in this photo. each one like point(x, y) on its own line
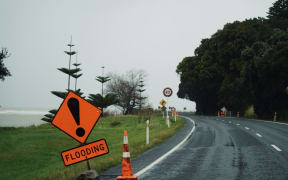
point(153, 35)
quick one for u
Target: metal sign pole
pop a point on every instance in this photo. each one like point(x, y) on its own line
point(167, 119)
point(167, 92)
point(167, 116)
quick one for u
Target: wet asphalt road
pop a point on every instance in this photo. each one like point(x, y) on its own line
point(225, 148)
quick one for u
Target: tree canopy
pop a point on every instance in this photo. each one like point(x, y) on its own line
point(243, 64)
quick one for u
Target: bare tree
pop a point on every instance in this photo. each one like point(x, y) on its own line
point(126, 87)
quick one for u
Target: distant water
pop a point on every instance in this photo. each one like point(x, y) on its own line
point(18, 117)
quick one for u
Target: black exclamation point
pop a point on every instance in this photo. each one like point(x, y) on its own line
point(73, 105)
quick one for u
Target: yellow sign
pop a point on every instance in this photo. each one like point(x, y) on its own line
point(163, 102)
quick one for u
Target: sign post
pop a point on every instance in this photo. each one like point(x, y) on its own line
point(147, 132)
point(164, 110)
point(167, 92)
point(163, 103)
point(173, 109)
point(77, 117)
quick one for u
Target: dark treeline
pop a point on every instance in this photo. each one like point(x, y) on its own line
point(244, 64)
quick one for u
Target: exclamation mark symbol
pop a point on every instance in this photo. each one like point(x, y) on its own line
point(73, 105)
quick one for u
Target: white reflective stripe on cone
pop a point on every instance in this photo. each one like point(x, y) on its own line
point(125, 139)
point(126, 154)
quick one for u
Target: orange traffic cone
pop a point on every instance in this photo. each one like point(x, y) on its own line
point(127, 172)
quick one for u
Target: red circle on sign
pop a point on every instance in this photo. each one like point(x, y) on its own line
point(167, 92)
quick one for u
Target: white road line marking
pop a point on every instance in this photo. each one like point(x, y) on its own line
point(258, 134)
point(270, 121)
point(247, 128)
point(167, 153)
point(229, 121)
point(238, 124)
point(275, 147)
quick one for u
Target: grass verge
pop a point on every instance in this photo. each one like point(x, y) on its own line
point(34, 152)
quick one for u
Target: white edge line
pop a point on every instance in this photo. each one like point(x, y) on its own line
point(247, 128)
point(269, 121)
point(139, 173)
point(258, 134)
point(275, 147)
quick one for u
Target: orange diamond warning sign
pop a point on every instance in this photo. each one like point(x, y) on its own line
point(76, 117)
point(82, 153)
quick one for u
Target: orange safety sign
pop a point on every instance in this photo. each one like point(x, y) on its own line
point(82, 153)
point(76, 117)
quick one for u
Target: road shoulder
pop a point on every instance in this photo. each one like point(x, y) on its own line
point(152, 154)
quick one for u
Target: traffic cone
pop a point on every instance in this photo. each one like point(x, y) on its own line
point(127, 172)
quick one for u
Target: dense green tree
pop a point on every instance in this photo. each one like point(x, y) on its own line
point(279, 10)
point(270, 76)
point(216, 80)
point(278, 15)
point(241, 65)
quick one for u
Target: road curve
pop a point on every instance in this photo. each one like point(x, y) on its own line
point(228, 148)
point(152, 155)
point(225, 148)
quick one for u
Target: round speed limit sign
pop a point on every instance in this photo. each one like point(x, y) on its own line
point(167, 92)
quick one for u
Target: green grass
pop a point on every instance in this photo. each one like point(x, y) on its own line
point(34, 152)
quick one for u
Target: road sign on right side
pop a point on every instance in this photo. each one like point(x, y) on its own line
point(163, 102)
point(167, 92)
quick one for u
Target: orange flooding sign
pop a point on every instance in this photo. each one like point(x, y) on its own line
point(76, 117)
point(82, 153)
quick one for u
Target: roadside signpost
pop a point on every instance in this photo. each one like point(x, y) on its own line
point(173, 111)
point(163, 103)
point(167, 92)
point(77, 117)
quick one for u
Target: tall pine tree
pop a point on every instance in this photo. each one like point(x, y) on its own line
point(99, 100)
point(70, 72)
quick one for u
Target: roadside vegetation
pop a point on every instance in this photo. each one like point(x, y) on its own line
point(241, 66)
point(35, 152)
point(4, 72)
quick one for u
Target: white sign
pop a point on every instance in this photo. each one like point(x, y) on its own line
point(223, 109)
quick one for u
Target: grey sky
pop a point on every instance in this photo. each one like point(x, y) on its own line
point(153, 35)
